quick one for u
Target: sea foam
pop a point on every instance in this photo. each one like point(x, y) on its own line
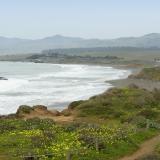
point(53, 85)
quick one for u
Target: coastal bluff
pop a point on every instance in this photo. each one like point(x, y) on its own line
point(122, 104)
point(38, 111)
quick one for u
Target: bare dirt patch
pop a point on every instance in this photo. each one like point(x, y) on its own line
point(145, 149)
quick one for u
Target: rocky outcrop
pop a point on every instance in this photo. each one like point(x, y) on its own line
point(3, 78)
point(39, 107)
point(39, 111)
point(24, 109)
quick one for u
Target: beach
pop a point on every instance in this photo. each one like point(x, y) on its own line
point(52, 85)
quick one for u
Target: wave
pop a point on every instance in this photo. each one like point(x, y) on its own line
point(11, 84)
point(54, 85)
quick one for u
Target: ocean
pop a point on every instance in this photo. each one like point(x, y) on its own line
point(53, 85)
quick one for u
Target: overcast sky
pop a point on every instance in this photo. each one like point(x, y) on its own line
point(80, 18)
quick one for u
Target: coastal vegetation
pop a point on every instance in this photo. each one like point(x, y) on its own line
point(131, 56)
point(79, 80)
point(106, 126)
point(44, 139)
point(56, 57)
point(124, 105)
point(124, 119)
point(148, 74)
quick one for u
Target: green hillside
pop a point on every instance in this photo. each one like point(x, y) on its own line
point(129, 117)
point(149, 74)
point(121, 104)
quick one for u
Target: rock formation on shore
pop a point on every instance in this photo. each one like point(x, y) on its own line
point(3, 78)
point(27, 112)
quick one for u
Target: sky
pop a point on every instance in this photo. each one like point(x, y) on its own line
point(102, 19)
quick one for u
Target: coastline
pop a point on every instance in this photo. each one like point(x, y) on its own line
point(118, 83)
point(65, 115)
point(65, 104)
point(146, 84)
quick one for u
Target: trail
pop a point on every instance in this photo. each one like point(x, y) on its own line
point(145, 149)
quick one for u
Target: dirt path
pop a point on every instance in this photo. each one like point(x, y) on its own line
point(145, 149)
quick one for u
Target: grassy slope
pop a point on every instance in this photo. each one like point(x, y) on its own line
point(132, 105)
point(149, 74)
point(40, 137)
point(121, 104)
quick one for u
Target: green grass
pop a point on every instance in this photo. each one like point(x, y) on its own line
point(149, 74)
point(124, 115)
point(39, 137)
point(123, 105)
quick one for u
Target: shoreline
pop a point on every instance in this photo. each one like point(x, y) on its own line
point(118, 83)
point(50, 107)
point(63, 116)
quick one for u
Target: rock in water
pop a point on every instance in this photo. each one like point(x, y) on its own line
point(2, 78)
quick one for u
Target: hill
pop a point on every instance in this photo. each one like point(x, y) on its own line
point(125, 105)
point(124, 119)
point(17, 45)
point(148, 74)
point(106, 126)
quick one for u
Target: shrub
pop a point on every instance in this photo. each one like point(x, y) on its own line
point(149, 113)
point(23, 110)
point(75, 104)
point(120, 104)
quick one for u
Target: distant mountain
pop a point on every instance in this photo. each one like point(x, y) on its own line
point(17, 45)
